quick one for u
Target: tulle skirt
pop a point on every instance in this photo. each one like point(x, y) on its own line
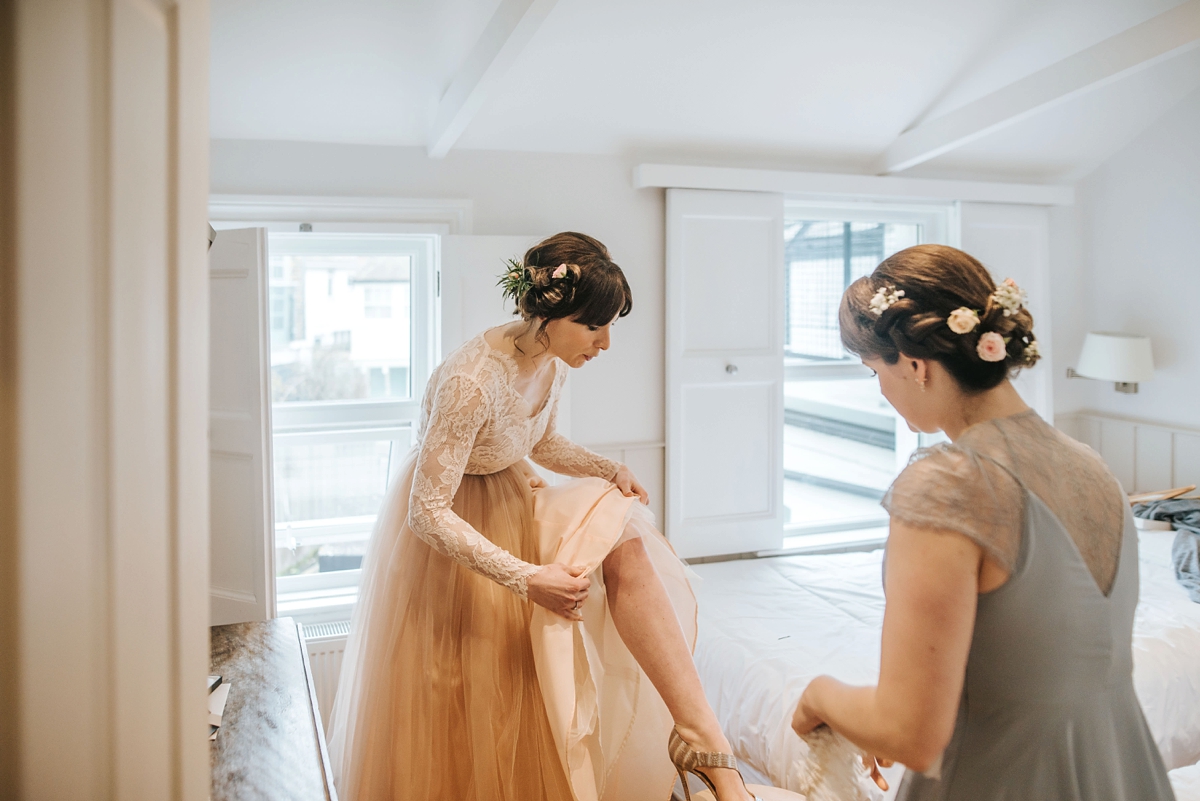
point(452, 687)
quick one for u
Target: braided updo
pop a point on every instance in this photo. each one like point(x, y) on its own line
point(927, 283)
point(572, 276)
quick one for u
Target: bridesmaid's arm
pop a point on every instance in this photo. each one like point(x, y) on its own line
point(932, 588)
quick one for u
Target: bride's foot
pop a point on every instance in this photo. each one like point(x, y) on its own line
point(726, 782)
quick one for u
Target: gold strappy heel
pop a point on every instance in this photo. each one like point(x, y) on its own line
point(688, 759)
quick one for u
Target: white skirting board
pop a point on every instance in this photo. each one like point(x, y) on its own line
point(1144, 456)
point(326, 644)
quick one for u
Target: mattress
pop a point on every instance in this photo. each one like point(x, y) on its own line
point(769, 626)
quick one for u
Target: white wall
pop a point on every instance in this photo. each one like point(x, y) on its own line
point(619, 397)
point(1127, 258)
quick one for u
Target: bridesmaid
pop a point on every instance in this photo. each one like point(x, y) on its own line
point(1011, 569)
point(512, 640)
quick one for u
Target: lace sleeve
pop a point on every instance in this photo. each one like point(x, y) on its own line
point(954, 489)
point(555, 452)
point(458, 412)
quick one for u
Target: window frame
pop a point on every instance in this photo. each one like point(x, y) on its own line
point(330, 597)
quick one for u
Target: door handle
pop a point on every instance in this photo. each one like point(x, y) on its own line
point(731, 369)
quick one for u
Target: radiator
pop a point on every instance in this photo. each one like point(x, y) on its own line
point(326, 644)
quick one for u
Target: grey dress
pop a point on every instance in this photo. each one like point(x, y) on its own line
point(1048, 709)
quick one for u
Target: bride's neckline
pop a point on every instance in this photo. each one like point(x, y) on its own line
point(512, 369)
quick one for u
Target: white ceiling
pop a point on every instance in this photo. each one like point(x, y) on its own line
point(814, 84)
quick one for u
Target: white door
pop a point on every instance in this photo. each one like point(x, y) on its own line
point(724, 371)
point(1014, 242)
point(241, 505)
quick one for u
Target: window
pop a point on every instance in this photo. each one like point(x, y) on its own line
point(843, 442)
point(822, 258)
point(352, 344)
point(378, 300)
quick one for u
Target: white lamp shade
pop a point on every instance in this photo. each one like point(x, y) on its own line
point(1110, 356)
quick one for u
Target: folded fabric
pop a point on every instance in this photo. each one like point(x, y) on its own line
point(1184, 515)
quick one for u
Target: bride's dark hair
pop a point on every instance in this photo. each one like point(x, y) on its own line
point(931, 282)
point(592, 290)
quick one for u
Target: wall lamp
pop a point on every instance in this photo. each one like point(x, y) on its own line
point(1124, 359)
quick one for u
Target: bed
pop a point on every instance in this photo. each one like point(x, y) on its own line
point(768, 626)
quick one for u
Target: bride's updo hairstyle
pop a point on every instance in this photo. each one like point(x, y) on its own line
point(571, 276)
point(936, 302)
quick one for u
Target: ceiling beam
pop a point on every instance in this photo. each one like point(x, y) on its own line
point(1164, 36)
point(509, 30)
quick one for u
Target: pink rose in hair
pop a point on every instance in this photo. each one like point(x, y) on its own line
point(991, 347)
point(560, 271)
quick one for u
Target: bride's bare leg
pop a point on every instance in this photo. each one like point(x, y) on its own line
point(647, 624)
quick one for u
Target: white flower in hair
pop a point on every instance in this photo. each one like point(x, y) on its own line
point(885, 298)
point(963, 320)
point(1031, 351)
point(1010, 297)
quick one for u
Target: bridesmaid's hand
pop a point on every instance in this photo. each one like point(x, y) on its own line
point(805, 718)
point(629, 485)
point(560, 589)
point(872, 765)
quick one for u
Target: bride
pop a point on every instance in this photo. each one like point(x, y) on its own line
point(512, 640)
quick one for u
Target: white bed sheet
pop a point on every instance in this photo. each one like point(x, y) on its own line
point(769, 626)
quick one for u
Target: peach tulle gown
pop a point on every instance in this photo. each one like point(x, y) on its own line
point(454, 686)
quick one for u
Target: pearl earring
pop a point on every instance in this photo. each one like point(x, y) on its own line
point(921, 384)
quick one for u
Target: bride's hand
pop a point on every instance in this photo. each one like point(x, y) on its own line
point(629, 485)
point(560, 589)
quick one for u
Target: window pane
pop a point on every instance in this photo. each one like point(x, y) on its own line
point(327, 494)
point(822, 259)
point(340, 323)
point(840, 450)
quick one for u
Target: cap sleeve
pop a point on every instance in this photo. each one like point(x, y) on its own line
point(951, 488)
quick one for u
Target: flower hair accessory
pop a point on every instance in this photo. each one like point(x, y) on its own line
point(885, 298)
point(992, 347)
point(1010, 297)
point(560, 271)
point(963, 320)
point(515, 280)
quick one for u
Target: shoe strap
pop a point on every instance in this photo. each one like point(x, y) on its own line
point(714, 759)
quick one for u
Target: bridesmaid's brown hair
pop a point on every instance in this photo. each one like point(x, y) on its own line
point(936, 280)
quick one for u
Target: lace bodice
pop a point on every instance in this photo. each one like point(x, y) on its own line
point(971, 487)
point(473, 420)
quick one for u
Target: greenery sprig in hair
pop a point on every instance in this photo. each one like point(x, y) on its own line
point(515, 280)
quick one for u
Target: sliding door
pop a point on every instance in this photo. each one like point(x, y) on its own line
point(724, 371)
